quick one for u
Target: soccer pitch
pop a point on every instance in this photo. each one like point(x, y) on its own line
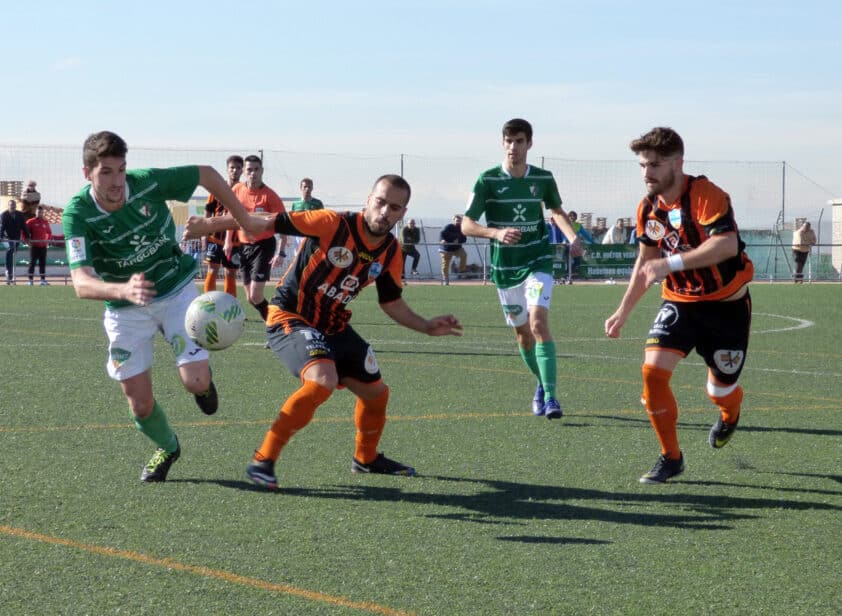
point(510, 514)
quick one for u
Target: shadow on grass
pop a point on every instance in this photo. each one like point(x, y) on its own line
point(502, 502)
point(638, 421)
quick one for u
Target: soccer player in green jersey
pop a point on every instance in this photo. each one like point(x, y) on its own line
point(122, 249)
point(512, 197)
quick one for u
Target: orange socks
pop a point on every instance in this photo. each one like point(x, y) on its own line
point(230, 287)
point(296, 413)
point(728, 399)
point(661, 408)
point(370, 419)
point(210, 280)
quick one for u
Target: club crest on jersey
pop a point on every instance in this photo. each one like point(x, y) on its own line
point(371, 362)
point(675, 218)
point(654, 229)
point(339, 256)
point(144, 209)
point(728, 361)
point(533, 190)
point(375, 270)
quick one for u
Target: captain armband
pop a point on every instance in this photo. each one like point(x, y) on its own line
point(675, 262)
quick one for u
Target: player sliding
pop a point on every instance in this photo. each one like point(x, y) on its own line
point(689, 239)
point(308, 325)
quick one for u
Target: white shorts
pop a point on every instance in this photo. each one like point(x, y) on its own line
point(131, 334)
point(536, 290)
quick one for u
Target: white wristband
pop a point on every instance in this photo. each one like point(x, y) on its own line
point(675, 262)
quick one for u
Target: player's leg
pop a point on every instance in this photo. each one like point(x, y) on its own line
point(318, 380)
point(724, 347)
point(539, 291)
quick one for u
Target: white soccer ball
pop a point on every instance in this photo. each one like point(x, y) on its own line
point(215, 320)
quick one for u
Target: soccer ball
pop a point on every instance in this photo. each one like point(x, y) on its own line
point(215, 320)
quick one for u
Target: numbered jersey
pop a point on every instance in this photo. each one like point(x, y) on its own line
point(331, 268)
point(506, 201)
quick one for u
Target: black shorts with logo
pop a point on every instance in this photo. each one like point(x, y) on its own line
point(298, 344)
point(256, 260)
point(719, 331)
point(215, 254)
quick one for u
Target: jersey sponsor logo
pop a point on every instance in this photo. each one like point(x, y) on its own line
point(76, 250)
point(654, 230)
point(519, 213)
point(339, 256)
point(342, 295)
point(371, 362)
point(365, 257)
point(145, 249)
point(375, 270)
point(675, 218)
point(728, 361)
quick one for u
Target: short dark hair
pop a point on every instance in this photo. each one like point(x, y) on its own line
point(102, 145)
point(518, 125)
point(253, 158)
point(662, 140)
point(395, 180)
point(234, 158)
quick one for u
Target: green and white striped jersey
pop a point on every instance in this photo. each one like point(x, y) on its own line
point(506, 201)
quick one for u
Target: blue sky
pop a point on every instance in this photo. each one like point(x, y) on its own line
point(739, 80)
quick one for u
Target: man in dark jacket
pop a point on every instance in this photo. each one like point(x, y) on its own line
point(12, 227)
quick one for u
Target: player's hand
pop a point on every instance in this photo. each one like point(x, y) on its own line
point(138, 290)
point(196, 227)
point(654, 270)
point(446, 325)
point(509, 235)
point(614, 324)
point(576, 248)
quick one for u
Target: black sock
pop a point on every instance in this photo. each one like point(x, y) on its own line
point(263, 308)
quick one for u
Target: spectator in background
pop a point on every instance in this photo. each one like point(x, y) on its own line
point(30, 199)
point(451, 239)
point(584, 235)
point(803, 240)
point(40, 234)
point(223, 248)
point(12, 229)
point(616, 234)
point(260, 252)
point(410, 238)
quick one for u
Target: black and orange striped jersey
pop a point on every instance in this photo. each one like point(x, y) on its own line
point(331, 267)
point(214, 207)
point(702, 211)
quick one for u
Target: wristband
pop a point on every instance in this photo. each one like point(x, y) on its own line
point(675, 262)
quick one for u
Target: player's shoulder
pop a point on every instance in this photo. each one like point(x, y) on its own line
point(494, 173)
point(78, 204)
point(702, 186)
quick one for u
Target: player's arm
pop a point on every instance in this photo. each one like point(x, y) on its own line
point(504, 235)
point(561, 220)
point(400, 312)
point(214, 183)
point(88, 285)
point(713, 250)
point(636, 289)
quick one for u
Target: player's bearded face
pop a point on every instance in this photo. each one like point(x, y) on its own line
point(108, 181)
point(235, 171)
point(659, 173)
point(386, 205)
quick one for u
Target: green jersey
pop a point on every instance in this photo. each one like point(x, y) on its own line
point(139, 237)
point(516, 202)
point(309, 204)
